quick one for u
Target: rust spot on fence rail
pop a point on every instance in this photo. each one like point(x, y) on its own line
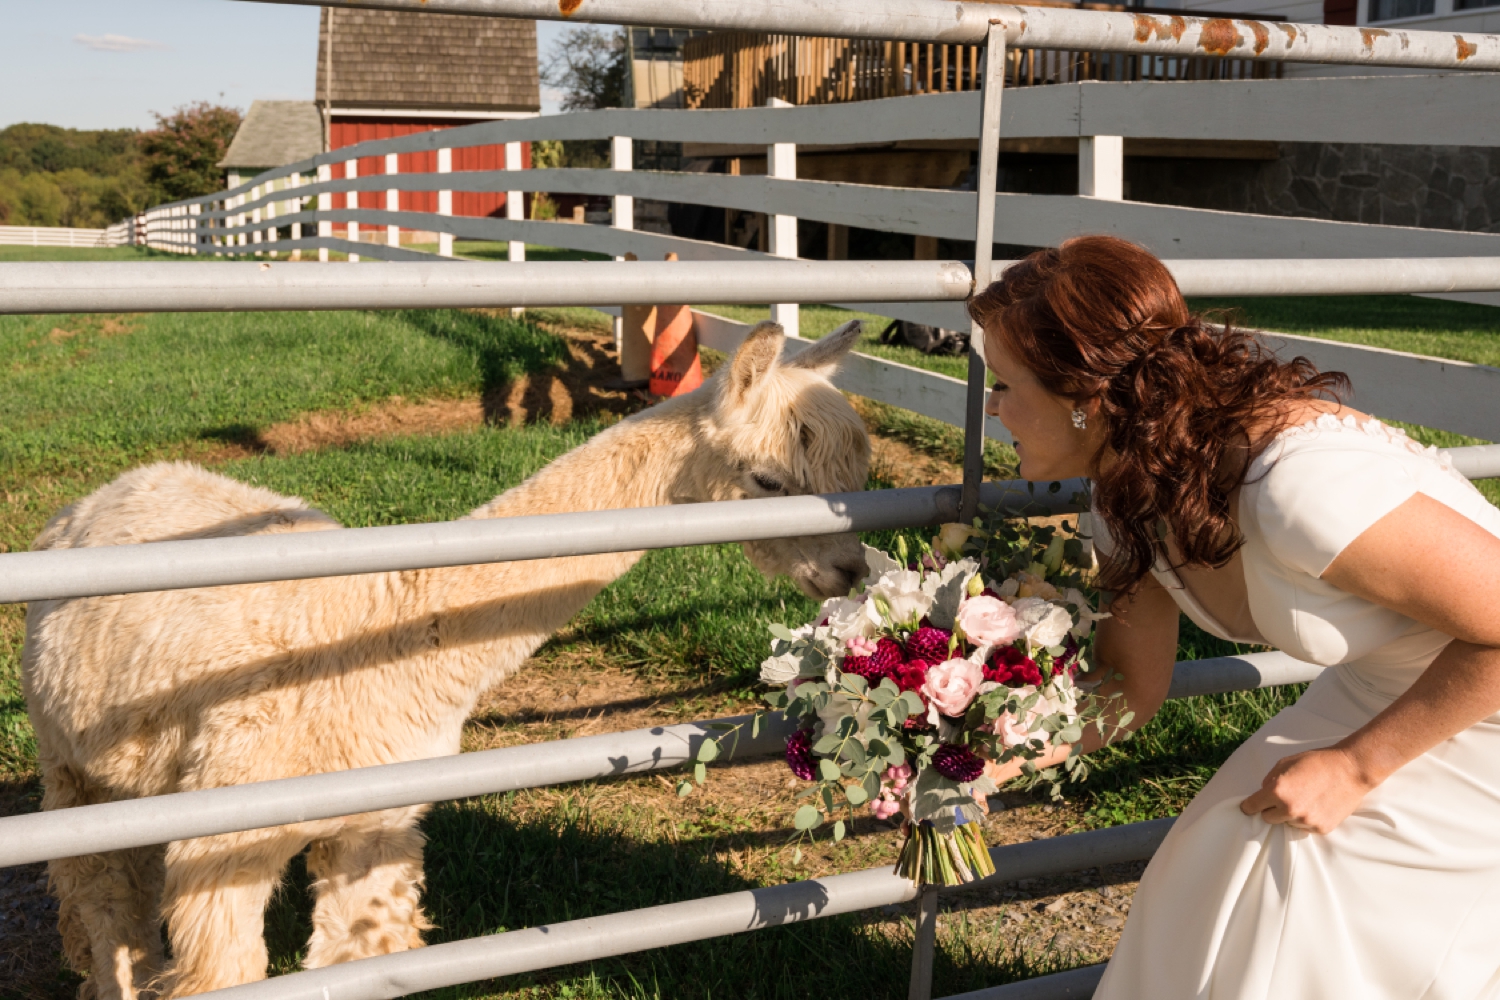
point(1290, 31)
point(1370, 34)
point(1465, 49)
point(568, 7)
point(1146, 26)
point(1262, 36)
point(1219, 37)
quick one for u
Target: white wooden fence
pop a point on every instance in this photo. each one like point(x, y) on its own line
point(116, 235)
point(1218, 250)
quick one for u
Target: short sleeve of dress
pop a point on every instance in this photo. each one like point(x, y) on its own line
point(1311, 503)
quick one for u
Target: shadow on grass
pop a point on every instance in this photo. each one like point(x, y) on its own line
point(489, 871)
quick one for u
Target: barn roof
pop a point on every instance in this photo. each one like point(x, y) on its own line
point(422, 61)
point(275, 133)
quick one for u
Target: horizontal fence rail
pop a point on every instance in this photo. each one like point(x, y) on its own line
point(1029, 27)
point(593, 938)
point(216, 562)
point(226, 287)
point(112, 826)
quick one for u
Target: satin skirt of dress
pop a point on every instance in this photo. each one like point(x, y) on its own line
point(1400, 902)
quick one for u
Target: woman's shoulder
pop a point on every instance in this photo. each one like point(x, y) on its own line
point(1318, 485)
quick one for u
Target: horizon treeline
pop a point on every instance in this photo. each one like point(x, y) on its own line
point(92, 178)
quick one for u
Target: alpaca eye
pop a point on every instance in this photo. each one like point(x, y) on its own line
point(766, 483)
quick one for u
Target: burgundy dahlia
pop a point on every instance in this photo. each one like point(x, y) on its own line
point(928, 644)
point(799, 754)
point(879, 664)
point(1013, 668)
point(957, 763)
point(1069, 660)
point(911, 675)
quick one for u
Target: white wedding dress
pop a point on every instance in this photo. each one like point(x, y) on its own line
point(1402, 900)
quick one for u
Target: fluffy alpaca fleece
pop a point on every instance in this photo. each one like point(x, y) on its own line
point(145, 694)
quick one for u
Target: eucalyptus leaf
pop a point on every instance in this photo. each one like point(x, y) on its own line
point(828, 769)
point(838, 831)
point(827, 744)
point(700, 773)
point(780, 631)
point(708, 750)
point(856, 795)
point(805, 818)
point(871, 785)
point(684, 789)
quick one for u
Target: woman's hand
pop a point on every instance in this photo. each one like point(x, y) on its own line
point(1313, 791)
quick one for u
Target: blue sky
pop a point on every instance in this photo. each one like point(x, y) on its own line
point(111, 63)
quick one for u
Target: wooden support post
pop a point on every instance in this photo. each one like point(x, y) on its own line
point(1101, 167)
point(781, 163)
point(925, 945)
point(392, 200)
point(515, 202)
point(445, 202)
point(325, 204)
point(838, 241)
point(351, 200)
point(926, 248)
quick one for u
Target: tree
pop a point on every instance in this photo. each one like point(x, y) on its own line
point(589, 65)
point(182, 153)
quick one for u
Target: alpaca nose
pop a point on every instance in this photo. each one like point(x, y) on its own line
point(850, 574)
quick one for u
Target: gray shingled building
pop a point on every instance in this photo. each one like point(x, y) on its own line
point(273, 134)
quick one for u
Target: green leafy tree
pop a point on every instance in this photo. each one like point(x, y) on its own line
point(182, 153)
point(590, 66)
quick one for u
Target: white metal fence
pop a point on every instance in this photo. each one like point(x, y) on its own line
point(1210, 253)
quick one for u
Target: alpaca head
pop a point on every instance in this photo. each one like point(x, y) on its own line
point(778, 427)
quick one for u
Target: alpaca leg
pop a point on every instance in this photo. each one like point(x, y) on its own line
point(107, 905)
point(215, 901)
point(368, 890)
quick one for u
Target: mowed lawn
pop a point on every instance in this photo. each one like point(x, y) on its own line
point(89, 396)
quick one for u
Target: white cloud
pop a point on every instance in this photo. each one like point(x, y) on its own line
point(117, 43)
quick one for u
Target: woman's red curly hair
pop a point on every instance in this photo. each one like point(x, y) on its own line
point(1101, 318)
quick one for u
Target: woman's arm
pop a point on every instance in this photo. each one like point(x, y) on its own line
point(1139, 643)
point(1434, 565)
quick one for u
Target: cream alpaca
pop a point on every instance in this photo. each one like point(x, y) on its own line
point(152, 693)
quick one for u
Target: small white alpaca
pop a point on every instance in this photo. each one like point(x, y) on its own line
point(145, 694)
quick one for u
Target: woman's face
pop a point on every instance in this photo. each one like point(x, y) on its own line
point(1048, 444)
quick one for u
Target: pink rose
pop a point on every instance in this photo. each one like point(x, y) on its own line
point(988, 621)
point(1012, 731)
point(950, 686)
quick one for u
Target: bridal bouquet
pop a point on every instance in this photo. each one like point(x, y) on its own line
point(929, 670)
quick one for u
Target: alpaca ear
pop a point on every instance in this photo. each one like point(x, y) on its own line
point(824, 356)
point(755, 357)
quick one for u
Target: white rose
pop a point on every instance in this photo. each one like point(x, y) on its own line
point(902, 594)
point(845, 618)
point(1043, 623)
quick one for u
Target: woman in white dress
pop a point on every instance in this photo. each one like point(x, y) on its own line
point(1351, 847)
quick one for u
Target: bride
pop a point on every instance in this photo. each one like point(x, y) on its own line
point(1351, 847)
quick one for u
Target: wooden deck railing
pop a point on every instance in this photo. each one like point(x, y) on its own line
point(745, 69)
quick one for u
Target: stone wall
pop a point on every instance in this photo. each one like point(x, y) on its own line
point(1434, 187)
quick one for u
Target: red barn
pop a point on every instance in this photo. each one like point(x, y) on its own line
point(397, 72)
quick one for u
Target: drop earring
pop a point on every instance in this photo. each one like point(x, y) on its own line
point(1080, 419)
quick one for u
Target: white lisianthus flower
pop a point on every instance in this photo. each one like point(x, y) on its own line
point(845, 618)
point(988, 621)
point(1042, 622)
point(901, 593)
point(878, 563)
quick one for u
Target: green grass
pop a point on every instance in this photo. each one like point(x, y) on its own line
point(21, 254)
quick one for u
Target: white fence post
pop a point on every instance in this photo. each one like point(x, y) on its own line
point(392, 200)
point(1101, 167)
point(196, 212)
point(298, 205)
point(255, 216)
point(445, 202)
point(621, 157)
point(515, 202)
point(325, 203)
point(351, 200)
point(781, 163)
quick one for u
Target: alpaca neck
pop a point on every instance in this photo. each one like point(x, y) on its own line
point(501, 612)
